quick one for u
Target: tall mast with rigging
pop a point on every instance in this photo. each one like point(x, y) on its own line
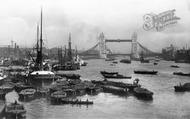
point(69, 48)
point(37, 48)
point(41, 41)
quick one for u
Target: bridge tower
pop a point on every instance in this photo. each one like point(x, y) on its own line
point(134, 44)
point(102, 46)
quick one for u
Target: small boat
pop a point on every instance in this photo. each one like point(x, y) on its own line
point(143, 93)
point(115, 90)
point(70, 76)
point(77, 102)
point(94, 89)
point(155, 63)
point(66, 67)
point(21, 86)
point(145, 61)
point(83, 63)
point(174, 66)
point(105, 72)
point(27, 94)
point(145, 72)
point(4, 89)
point(129, 86)
point(182, 88)
point(181, 74)
point(109, 59)
point(15, 111)
point(118, 76)
point(128, 61)
point(57, 96)
point(115, 62)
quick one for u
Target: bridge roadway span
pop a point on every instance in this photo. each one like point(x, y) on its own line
point(118, 40)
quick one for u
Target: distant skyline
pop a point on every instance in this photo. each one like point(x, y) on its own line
point(86, 19)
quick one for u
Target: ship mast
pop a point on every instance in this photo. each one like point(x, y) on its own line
point(41, 41)
point(37, 48)
point(37, 45)
point(69, 49)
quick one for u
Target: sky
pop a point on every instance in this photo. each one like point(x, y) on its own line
point(86, 19)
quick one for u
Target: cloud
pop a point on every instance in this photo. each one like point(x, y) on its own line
point(86, 19)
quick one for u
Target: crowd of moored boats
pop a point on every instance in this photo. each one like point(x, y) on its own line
point(67, 87)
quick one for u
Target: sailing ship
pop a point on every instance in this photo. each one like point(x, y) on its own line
point(68, 62)
point(142, 58)
point(39, 72)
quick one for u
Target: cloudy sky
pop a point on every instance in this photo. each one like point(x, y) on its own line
point(85, 19)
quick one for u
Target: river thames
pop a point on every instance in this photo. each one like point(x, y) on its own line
point(166, 103)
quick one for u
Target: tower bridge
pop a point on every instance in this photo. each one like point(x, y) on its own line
point(102, 51)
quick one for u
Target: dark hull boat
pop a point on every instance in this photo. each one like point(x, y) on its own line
point(182, 88)
point(27, 94)
point(109, 59)
point(125, 61)
point(174, 66)
point(4, 89)
point(145, 61)
point(105, 72)
point(76, 102)
point(116, 76)
point(145, 72)
point(143, 93)
point(115, 62)
point(20, 86)
point(56, 97)
point(15, 111)
point(129, 86)
point(181, 74)
point(115, 90)
point(66, 67)
point(70, 76)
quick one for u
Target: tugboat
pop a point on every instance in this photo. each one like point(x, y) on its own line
point(182, 88)
point(143, 93)
point(145, 72)
point(181, 74)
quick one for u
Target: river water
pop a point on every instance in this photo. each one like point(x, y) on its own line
point(166, 103)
